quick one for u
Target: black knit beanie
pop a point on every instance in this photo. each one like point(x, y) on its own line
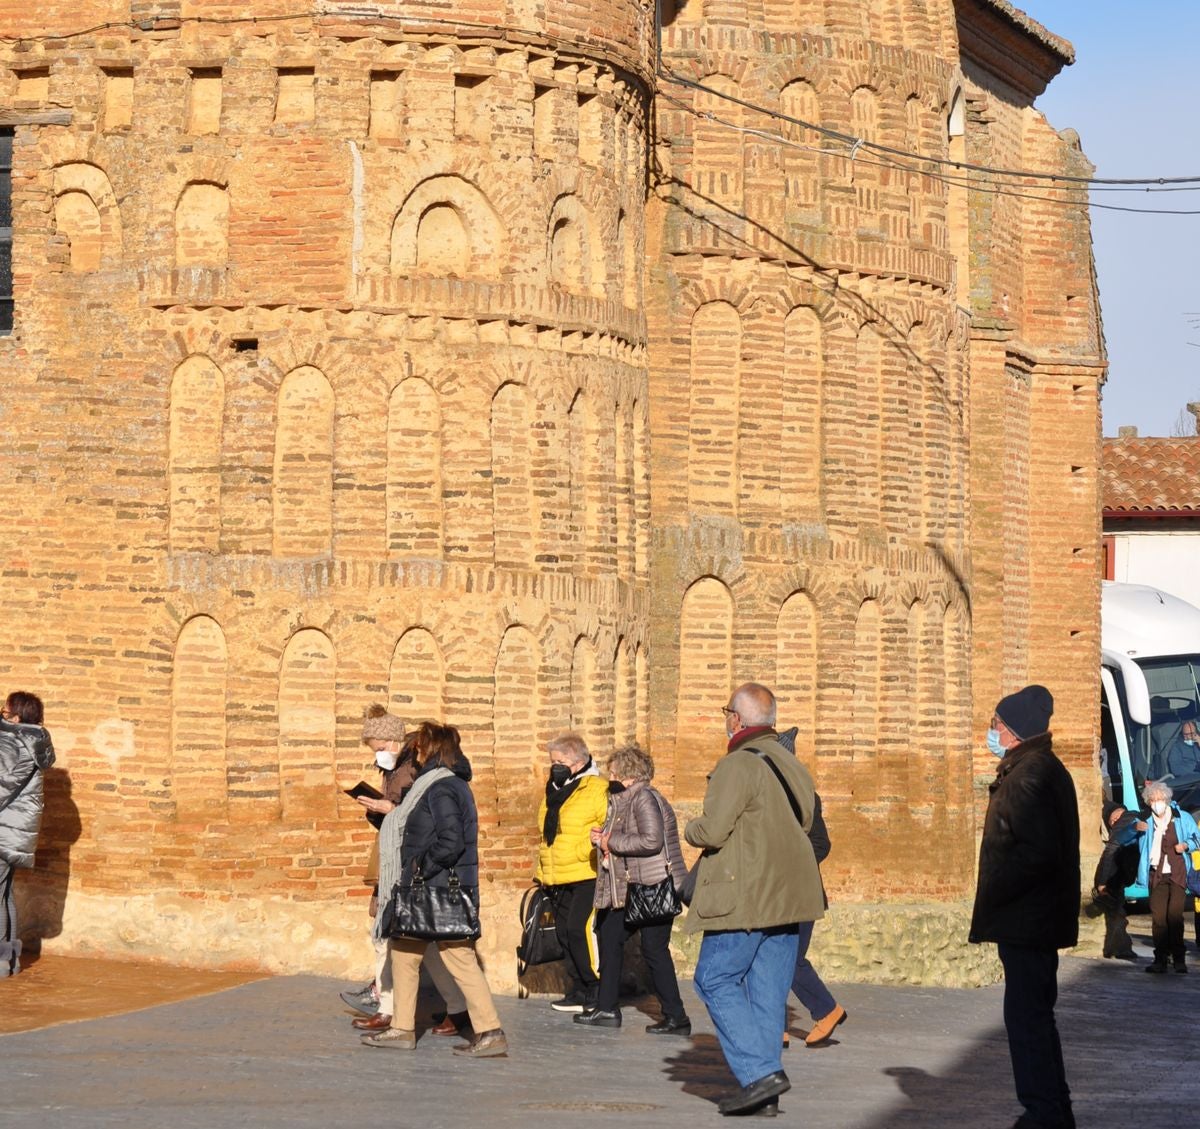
point(1027, 712)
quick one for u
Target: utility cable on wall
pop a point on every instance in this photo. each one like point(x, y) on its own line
point(848, 139)
point(665, 72)
point(853, 147)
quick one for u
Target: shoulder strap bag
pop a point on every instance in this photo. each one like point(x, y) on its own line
point(787, 791)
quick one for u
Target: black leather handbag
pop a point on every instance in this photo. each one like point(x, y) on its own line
point(539, 938)
point(432, 913)
point(652, 905)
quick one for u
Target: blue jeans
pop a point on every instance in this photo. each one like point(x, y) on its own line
point(743, 978)
point(809, 987)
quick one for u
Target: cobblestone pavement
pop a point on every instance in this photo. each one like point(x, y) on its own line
point(280, 1053)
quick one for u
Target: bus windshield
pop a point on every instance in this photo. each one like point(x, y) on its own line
point(1174, 699)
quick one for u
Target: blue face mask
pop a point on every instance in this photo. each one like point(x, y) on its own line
point(993, 742)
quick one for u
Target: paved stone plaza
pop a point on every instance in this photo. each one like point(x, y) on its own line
point(280, 1053)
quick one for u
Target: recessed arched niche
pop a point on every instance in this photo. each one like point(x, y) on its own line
point(447, 227)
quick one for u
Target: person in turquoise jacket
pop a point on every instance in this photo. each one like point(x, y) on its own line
point(1166, 861)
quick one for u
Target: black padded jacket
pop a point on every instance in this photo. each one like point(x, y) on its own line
point(443, 833)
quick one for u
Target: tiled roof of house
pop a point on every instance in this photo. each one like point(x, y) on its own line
point(1151, 475)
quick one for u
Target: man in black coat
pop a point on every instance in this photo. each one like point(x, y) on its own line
point(1027, 897)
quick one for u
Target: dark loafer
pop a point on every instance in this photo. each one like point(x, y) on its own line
point(670, 1026)
point(749, 1098)
point(596, 1018)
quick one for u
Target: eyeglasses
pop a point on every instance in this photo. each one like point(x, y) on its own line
point(727, 710)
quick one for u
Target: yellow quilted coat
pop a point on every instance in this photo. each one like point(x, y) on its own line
point(572, 858)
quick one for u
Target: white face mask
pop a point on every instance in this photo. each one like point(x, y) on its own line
point(1159, 807)
point(387, 760)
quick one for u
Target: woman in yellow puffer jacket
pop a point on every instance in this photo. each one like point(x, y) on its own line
point(576, 800)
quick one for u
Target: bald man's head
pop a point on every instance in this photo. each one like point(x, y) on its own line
point(754, 705)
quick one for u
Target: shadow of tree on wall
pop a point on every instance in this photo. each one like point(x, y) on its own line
point(42, 892)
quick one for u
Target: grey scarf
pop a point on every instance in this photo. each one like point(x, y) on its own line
point(391, 841)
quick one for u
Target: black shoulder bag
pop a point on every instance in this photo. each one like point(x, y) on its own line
point(787, 791)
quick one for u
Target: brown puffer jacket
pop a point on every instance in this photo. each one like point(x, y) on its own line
point(643, 845)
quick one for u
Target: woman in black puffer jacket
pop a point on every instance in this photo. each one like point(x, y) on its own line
point(439, 832)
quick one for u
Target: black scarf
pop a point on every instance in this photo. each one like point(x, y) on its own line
point(555, 798)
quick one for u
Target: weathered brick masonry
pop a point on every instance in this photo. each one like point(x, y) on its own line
point(369, 353)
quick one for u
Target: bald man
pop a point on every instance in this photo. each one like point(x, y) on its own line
point(757, 880)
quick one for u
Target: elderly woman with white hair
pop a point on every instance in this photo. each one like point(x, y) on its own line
point(1166, 860)
point(576, 801)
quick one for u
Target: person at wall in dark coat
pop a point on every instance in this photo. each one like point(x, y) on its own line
point(1166, 860)
point(575, 803)
point(1027, 897)
point(1117, 869)
point(755, 883)
point(438, 835)
point(639, 844)
point(26, 751)
point(395, 757)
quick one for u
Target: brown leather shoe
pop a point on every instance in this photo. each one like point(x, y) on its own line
point(457, 1023)
point(372, 1022)
point(824, 1027)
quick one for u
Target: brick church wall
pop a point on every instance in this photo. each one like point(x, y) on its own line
point(367, 357)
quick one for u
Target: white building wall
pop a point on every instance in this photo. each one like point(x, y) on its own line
point(1170, 561)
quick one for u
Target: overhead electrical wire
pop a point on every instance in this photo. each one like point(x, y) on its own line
point(1158, 183)
point(874, 146)
point(974, 184)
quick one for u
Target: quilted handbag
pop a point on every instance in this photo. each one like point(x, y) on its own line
point(432, 913)
point(652, 905)
point(539, 939)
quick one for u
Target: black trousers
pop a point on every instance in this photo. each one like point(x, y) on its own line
point(1116, 923)
point(1166, 917)
point(656, 952)
point(1030, 993)
point(572, 924)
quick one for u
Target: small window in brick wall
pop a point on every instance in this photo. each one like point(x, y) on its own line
point(6, 232)
point(295, 101)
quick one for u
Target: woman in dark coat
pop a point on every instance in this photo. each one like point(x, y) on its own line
point(437, 829)
point(395, 752)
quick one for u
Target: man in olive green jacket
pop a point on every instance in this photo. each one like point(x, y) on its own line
point(757, 880)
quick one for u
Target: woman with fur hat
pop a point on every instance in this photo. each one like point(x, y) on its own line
point(395, 757)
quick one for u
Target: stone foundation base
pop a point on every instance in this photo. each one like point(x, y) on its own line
point(879, 944)
point(888, 944)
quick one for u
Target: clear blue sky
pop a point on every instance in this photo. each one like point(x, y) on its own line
point(1133, 94)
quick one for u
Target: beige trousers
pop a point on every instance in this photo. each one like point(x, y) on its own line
point(442, 980)
point(463, 966)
